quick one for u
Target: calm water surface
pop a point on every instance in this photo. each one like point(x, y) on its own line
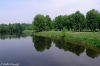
point(40, 51)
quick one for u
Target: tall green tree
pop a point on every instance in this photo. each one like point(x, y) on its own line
point(42, 23)
point(98, 21)
point(39, 23)
point(92, 18)
point(78, 21)
point(48, 23)
point(58, 22)
point(67, 23)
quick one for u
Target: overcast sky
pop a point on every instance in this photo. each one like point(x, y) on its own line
point(12, 11)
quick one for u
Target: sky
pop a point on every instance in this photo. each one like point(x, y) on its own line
point(23, 11)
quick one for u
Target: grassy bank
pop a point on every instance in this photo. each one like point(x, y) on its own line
point(28, 32)
point(92, 38)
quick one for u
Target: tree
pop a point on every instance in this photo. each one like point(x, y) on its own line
point(39, 23)
point(92, 18)
point(11, 28)
point(67, 22)
point(58, 25)
point(18, 28)
point(42, 23)
point(78, 21)
point(99, 21)
point(48, 23)
point(3, 28)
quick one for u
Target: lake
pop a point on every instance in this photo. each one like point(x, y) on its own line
point(40, 51)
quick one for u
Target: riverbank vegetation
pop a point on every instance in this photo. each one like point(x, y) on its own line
point(91, 38)
point(76, 27)
point(14, 28)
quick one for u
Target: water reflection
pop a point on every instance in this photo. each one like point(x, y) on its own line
point(58, 53)
point(41, 44)
point(92, 53)
point(76, 49)
point(13, 36)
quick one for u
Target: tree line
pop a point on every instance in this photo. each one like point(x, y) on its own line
point(73, 22)
point(14, 28)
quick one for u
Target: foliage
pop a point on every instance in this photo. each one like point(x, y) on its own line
point(14, 28)
point(42, 23)
point(58, 23)
point(78, 21)
point(26, 26)
point(93, 19)
point(73, 22)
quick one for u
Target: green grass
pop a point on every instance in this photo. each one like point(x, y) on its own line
point(27, 32)
point(92, 38)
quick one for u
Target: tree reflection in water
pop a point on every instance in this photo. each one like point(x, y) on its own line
point(76, 49)
point(12, 36)
point(42, 43)
point(92, 53)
